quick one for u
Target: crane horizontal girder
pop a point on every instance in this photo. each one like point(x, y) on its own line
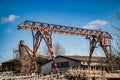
point(32, 25)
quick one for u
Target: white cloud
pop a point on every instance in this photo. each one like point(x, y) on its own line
point(95, 24)
point(10, 18)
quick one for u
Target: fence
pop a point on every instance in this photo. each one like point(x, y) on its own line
point(36, 77)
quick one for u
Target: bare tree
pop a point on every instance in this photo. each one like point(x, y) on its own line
point(24, 59)
point(116, 50)
point(57, 50)
point(116, 47)
point(46, 51)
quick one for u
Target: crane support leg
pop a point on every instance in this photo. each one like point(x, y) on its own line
point(48, 40)
point(37, 38)
point(107, 53)
point(106, 47)
point(93, 42)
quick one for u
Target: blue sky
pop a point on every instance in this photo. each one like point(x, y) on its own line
point(92, 14)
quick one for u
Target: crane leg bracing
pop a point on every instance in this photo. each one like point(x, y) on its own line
point(44, 31)
point(103, 44)
point(37, 38)
point(93, 42)
point(36, 42)
point(47, 36)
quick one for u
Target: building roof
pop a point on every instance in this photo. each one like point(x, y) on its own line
point(82, 58)
point(46, 59)
point(41, 57)
point(85, 58)
point(10, 61)
point(38, 59)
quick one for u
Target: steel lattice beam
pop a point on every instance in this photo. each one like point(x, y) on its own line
point(32, 25)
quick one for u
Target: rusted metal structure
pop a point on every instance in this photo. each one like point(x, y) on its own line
point(44, 31)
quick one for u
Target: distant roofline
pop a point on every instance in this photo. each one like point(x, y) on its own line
point(75, 58)
point(78, 60)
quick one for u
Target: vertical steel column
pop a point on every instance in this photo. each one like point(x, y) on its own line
point(93, 41)
point(104, 46)
point(37, 38)
point(48, 40)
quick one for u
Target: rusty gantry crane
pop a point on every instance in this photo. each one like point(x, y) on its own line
point(44, 31)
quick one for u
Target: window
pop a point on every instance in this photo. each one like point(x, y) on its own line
point(62, 64)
